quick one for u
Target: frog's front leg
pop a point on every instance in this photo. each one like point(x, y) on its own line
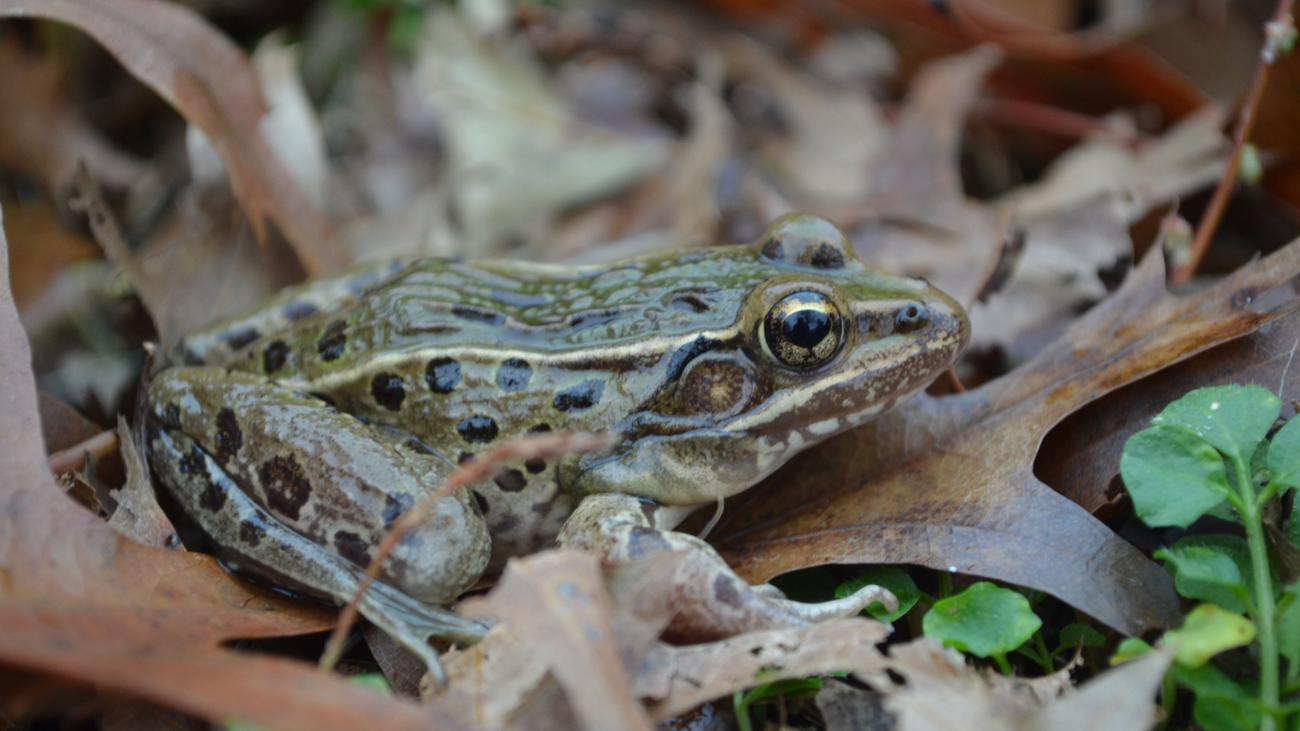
point(297, 491)
point(712, 601)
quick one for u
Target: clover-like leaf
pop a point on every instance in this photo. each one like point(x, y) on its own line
point(1284, 455)
point(1173, 476)
point(1211, 573)
point(1233, 419)
point(985, 620)
point(1077, 635)
point(1130, 648)
point(893, 578)
point(1207, 631)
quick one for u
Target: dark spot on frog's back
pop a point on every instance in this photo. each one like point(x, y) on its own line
point(229, 437)
point(535, 465)
point(510, 480)
point(513, 375)
point(388, 390)
point(285, 485)
point(241, 338)
point(298, 310)
point(476, 314)
point(477, 429)
point(352, 547)
point(275, 356)
point(442, 375)
point(582, 396)
point(332, 341)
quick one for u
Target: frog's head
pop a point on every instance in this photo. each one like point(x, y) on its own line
point(819, 344)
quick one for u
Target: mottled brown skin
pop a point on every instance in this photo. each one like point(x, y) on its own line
point(328, 412)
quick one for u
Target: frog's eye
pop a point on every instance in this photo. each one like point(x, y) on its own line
point(912, 316)
point(803, 331)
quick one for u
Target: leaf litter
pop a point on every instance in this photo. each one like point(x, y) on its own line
point(896, 188)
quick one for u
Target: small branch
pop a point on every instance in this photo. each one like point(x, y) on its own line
point(1209, 223)
point(482, 467)
point(100, 445)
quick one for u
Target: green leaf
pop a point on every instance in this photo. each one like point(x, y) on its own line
point(1233, 419)
point(985, 620)
point(1207, 631)
point(1130, 648)
point(1076, 635)
point(1284, 455)
point(1221, 704)
point(1172, 476)
point(892, 578)
point(1288, 629)
point(1210, 573)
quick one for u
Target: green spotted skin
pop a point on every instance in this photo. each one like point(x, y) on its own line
point(710, 368)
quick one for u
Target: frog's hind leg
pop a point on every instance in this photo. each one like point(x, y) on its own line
point(294, 490)
point(205, 491)
point(712, 601)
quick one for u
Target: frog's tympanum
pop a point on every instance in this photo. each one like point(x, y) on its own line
point(294, 436)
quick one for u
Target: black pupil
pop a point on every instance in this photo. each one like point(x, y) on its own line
point(806, 328)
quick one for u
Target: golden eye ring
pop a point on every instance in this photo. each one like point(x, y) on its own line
point(803, 331)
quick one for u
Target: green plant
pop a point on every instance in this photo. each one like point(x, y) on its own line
point(1206, 453)
point(985, 620)
point(745, 701)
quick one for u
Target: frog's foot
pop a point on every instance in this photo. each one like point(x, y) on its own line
point(218, 503)
point(711, 600)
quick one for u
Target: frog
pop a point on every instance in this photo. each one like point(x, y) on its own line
point(293, 437)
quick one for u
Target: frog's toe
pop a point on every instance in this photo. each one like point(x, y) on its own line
point(847, 607)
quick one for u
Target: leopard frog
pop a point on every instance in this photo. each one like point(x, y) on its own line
point(292, 437)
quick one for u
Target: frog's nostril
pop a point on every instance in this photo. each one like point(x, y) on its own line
point(911, 317)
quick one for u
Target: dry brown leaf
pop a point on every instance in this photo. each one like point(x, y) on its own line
point(948, 483)
point(517, 155)
point(138, 516)
point(210, 82)
point(43, 135)
point(80, 602)
point(200, 265)
point(1118, 700)
point(943, 694)
point(836, 134)
point(680, 678)
point(917, 179)
point(556, 603)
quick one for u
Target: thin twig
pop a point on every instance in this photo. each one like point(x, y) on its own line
point(1209, 223)
point(539, 446)
point(100, 446)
